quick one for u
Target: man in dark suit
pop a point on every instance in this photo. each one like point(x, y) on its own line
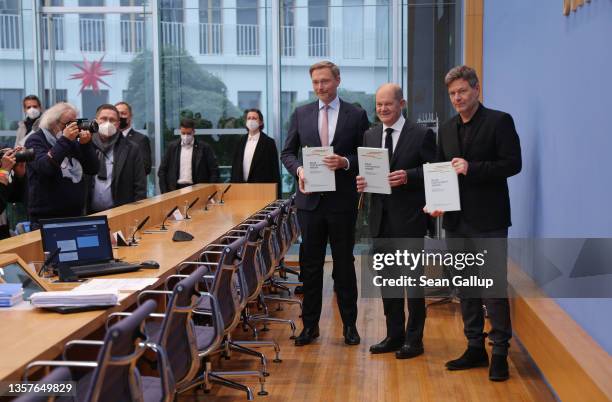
point(484, 149)
point(327, 215)
point(256, 157)
point(120, 178)
point(399, 215)
point(187, 161)
point(125, 125)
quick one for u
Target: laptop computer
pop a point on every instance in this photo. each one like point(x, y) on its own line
point(85, 245)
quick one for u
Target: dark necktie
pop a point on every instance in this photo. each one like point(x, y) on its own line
point(389, 142)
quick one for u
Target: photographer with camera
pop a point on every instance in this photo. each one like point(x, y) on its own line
point(63, 153)
point(12, 170)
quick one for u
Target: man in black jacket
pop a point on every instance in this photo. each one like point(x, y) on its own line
point(187, 161)
point(331, 215)
point(125, 125)
point(399, 215)
point(121, 178)
point(484, 149)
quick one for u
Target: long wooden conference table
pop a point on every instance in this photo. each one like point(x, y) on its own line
point(33, 334)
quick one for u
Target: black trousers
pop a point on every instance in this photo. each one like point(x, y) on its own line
point(393, 227)
point(319, 226)
point(465, 237)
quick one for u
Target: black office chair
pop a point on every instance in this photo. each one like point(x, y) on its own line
point(115, 376)
point(60, 374)
point(232, 296)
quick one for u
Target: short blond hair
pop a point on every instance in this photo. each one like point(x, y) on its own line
point(326, 64)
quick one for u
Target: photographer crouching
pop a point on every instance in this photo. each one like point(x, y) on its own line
point(63, 153)
point(12, 171)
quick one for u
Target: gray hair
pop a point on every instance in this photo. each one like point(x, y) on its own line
point(462, 72)
point(398, 93)
point(54, 114)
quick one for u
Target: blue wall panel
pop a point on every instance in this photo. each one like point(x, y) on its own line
point(554, 75)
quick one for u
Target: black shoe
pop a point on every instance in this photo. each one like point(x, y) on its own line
point(298, 290)
point(351, 336)
point(472, 357)
point(307, 335)
point(387, 345)
point(410, 350)
point(499, 368)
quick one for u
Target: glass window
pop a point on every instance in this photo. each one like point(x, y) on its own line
point(171, 25)
point(431, 49)
point(353, 34)
point(132, 28)
point(211, 27)
point(249, 100)
point(10, 25)
point(11, 109)
point(247, 29)
point(61, 95)
point(92, 28)
point(91, 100)
point(383, 27)
point(318, 28)
point(287, 33)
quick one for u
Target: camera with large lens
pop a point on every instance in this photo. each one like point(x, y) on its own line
point(25, 155)
point(87, 125)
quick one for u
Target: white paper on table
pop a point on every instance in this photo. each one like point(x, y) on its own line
point(177, 215)
point(318, 176)
point(74, 298)
point(116, 285)
point(374, 168)
point(441, 187)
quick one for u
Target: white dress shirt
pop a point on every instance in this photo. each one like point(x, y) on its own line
point(185, 174)
point(397, 130)
point(332, 120)
point(126, 131)
point(332, 117)
point(249, 151)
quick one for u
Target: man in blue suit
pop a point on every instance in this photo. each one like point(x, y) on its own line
point(327, 215)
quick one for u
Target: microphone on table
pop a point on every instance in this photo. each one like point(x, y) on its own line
point(49, 259)
point(133, 239)
point(190, 206)
point(223, 193)
point(163, 225)
point(210, 197)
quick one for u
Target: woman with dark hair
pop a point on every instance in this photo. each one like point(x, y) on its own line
point(255, 158)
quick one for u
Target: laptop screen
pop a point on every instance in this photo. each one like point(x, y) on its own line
point(83, 240)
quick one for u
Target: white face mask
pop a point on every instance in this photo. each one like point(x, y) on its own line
point(107, 129)
point(33, 113)
point(186, 139)
point(252, 125)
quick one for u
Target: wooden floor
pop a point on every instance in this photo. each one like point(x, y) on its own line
point(328, 370)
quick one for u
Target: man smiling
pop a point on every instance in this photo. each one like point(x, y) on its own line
point(327, 215)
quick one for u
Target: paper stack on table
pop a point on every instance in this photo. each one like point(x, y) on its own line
point(75, 298)
point(10, 294)
point(119, 285)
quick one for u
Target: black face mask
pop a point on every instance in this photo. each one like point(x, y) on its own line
point(123, 123)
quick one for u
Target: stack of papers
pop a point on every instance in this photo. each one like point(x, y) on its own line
point(75, 298)
point(127, 285)
point(10, 294)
